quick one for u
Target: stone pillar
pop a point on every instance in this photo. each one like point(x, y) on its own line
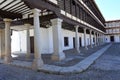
point(8, 57)
point(98, 39)
point(28, 40)
point(95, 38)
point(91, 39)
point(77, 39)
point(38, 62)
point(103, 38)
point(1, 54)
point(85, 39)
point(3, 43)
point(57, 40)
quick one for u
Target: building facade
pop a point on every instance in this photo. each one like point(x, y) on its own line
point(113, 31)
point(30, 26)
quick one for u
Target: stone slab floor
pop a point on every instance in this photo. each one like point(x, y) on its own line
point(107, 67)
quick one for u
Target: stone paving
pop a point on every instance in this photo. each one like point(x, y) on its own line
point(77, 68)
point(107, 67)
point(95, 72)
point(72, 57)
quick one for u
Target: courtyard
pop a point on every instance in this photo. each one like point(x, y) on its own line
point(107, 67)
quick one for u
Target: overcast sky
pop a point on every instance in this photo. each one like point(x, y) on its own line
point(109, 8)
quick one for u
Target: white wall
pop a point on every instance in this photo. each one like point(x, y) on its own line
point(70, 35)
point(19, 40)
point(116, 38)
point(44, 41)
point(107, 39)
point(15, 41)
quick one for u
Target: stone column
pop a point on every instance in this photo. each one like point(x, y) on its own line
point(103, 38)
point(85, 39)
point(38, 62)
point(77, 39)
point(57, 40)
point(91, 39)
point(8, 57)
point(28, 40)
point(1, 54)
point(3, 43)
point(95, 38)
point(100, 39)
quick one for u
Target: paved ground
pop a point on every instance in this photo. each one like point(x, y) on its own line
point(72, 57)
point(107, 67)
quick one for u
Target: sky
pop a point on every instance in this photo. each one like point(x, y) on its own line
point(110, 9)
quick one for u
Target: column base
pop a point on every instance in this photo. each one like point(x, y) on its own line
point(2, 56)
point(7, 60)
point(95, 45)
point(58, 57)
point(27, 56)
point(37, 63)
point(91, 46)
point(78, 51)
point(98, 44)
point(86, 48)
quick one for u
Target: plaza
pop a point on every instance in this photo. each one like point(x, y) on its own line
point(104, 68)
point(56, 37)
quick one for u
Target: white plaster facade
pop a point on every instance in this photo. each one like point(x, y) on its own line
point(19, 40)
point(113, 31)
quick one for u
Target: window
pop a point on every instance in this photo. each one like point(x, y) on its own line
point(73, 2)
point(93, 39)
point(66, 42)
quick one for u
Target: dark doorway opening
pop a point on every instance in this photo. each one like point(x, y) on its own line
point(112, 38)
point(32, 44)
point(80, 41)
point(73, 42)
point(66, 41)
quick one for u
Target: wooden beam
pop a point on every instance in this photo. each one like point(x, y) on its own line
point(7, 14)
point(13, 5)
point(7, 4)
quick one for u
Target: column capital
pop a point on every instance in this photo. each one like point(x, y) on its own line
point(35, 10)
point(84, 28)
point(1, 30)
point(27, 24)
point(76, 26)
point(91, 30)
point(7, 20)
point(56, 21)
point(95, 32)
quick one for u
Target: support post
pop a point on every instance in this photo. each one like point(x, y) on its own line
point(85, 39)
point(38, 62)
point(58, 54)
point(91, 39)
point(95, 39)
point(77, 39)
point(28, 40)
point(8, 57)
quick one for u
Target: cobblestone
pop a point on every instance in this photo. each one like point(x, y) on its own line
point(107, 67)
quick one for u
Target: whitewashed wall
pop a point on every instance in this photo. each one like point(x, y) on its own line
point(19, 40)
point(107, 39)
point(15, 41)
point(116, 38)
